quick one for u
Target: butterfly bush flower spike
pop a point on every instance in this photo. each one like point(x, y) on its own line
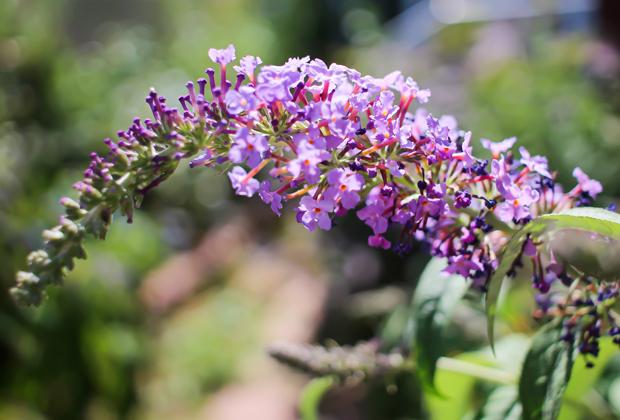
point(325, 141)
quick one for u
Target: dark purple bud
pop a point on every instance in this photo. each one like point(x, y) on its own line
point(422, 186)
point(462, 199)
point(211, 74)
point(240, 79)
point(387, 190)
point(298, 90)
point(356, 166)
point(202, 82)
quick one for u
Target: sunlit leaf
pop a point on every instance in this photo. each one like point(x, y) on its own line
point(546, 371)
point(434, 300)
point(311, 397)
point(591, 219)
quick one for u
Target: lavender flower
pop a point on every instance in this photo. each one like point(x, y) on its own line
point(315, 212)
point(534, 163)
point(247, 65)
point(223, 56)
point(242, 182)
point(242, 100)
point(270, 197)
point(248, 147)
point(500, 147)
point(590, 186)
point(345, 185)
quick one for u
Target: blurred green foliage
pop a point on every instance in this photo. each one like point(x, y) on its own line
point(548, 101)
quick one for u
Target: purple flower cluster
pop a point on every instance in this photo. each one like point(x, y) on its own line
point(332, 141)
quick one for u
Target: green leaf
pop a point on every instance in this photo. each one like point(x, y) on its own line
point(590, 219)
point(502, 404)
point(545, 374)
point(434, 300)
point(394, 328)
point(511, 253)
point(311, 396)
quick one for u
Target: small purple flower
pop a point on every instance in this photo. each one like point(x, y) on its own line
point(409, 88)
point(203, 159)
point(436, 190)
point(247, 65)
point(297, 63)
point(536, 163)
point(423, 95)
point(223, 56)
point(318, 70)
point(384, 106)
point(307, 162)
point(466, 154)
point(238, 101)
point(313, 213)
point(590, 186)
point(518, 208)
point(372, 215)
point(344, 185)
point(275, 82)
point(438, 132)
point(378, 241)
point(500, 147)
point(248, 147)
point(242, 186)
point(425, 207)
point(468, 236)
point(396, 169)
point(312, 137)
point(270, 197)
point(504, 183)
point(463, 265)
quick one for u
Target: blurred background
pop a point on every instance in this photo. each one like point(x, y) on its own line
point(170, 317)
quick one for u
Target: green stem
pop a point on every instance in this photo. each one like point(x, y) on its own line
point(481, 372)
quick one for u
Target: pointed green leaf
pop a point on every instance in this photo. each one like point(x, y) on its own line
point(591, 219)
point(311, 396)
point(511, 253)
point(434, 300)
point(545, 374)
